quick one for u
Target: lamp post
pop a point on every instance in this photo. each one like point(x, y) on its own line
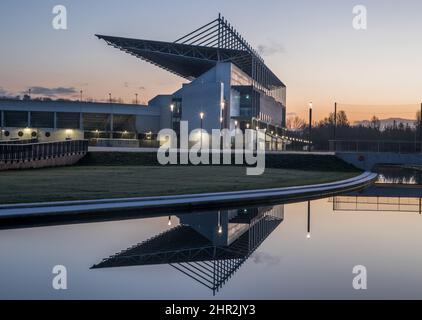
point(136, 98)
point(81, 92)
point(171, 115)
point(308, 235)
point(220, 227)
point(109, 97)
point(222, 114)
point(310, 126)
point(201, 115)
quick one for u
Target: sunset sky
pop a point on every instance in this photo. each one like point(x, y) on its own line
point(310, 45)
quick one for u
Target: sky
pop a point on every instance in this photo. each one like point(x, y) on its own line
point(310, 45)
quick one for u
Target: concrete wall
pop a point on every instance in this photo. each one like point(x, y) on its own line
point(162, 103)
point(48, 162)
point(55, 134)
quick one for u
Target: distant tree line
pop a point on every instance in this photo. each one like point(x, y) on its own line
point(324, 130)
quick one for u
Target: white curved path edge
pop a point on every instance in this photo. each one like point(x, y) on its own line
point(188, 200)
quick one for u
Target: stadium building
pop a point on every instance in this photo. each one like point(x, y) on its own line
point(229, 85)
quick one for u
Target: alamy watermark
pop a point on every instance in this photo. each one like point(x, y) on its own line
point(360, 20)
point(200, 147)
point(60, 19)
point(59, 281)
point(360, 281)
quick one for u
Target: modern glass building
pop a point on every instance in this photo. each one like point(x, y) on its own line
point(228, 83)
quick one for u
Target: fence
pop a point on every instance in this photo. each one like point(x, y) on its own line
point(377, 146)
point(38, 151)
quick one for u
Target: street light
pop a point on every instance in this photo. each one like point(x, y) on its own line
point(220, 227)
point(308, 235)
point(171, 117)
point(310, 126)
point(201, 115)
point(235, 124)
point(169, 223)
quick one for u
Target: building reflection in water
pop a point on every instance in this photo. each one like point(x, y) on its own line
point(207, 247)
point(381, 198)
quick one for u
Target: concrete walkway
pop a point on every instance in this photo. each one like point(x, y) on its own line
point(183, 202)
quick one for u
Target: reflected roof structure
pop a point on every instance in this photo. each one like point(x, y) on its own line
point(209, 250)
point(200, 50)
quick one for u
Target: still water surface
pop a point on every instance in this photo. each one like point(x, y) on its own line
point(302, 250)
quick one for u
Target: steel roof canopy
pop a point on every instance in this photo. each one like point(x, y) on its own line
point(199, 51)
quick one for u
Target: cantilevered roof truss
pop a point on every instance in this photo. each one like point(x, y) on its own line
point(195, 53)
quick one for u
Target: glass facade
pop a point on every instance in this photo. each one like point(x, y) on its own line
point(42, 119)
point(96, 121)
point(68, 120)
point(122, 122)
point(248, 101)
point(17, 119)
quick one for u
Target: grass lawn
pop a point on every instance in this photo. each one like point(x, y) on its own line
point(97, 182)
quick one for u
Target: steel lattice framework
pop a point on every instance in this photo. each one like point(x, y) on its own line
point(195, 53)
point(196, 256)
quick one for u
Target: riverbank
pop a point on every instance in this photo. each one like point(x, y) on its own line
point(35, 214)
point(88, 182)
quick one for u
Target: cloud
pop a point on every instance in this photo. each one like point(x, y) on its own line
point(52, 92)
point(270, 49)
point(265, 258)
point(3, 92)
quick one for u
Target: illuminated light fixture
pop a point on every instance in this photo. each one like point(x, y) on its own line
point(248, 125)
point(201, 115)
point(310, 105)
point(222, 105)
point(221, 119)
point(27, 129)
point(172, 107)
point(308, 236)
point(220, 228)
point(68, 131)
point(169, 223)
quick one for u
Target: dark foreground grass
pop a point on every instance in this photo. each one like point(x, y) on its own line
point(99, 182)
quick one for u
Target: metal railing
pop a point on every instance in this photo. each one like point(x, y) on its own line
point(38, 151)
point(377, 146)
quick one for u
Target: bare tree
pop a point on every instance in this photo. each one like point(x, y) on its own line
point(296, 123)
